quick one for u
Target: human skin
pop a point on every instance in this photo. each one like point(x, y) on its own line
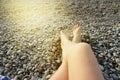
point(79, 61)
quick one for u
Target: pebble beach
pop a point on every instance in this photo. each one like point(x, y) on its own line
point(30, 42)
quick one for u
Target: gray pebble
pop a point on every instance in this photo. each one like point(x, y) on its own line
point(118, 61)
point(101, 67)
point(19, 72)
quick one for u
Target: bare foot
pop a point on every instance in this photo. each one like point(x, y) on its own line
point(76, 34)
point(66, 44)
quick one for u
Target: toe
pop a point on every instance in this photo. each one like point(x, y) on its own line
point(76, 26)
point(76, 34)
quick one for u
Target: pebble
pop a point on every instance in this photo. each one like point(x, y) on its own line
point(115, 54)
point(8, 65)
point(1, 69)
point(118, 61)
point(1, 53)
point(19, 72)
point(114, 76)
point(48, 76)
point(33, 78)
point(16, 77)
point(101, 67)
point(109, 55)
point(25, 79)
point(9, 51)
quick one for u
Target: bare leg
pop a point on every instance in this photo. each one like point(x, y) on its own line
point(82, 64)
point(62, 72)
point(80, 60)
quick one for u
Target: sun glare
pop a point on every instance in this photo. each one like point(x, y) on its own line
point(31, 13)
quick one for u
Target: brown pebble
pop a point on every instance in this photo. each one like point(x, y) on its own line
point(48, 76)
point(15, 78)
point(8, 65)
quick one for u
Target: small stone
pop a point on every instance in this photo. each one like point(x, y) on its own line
point(8, 65)
point(101, 67)
point(118, 61)
point(119, 76)
point(1, 53)
point(18, 51)
point(113, 76)
point(9, 51)
point(16, 78)
point(8, 74)
point(40, 79)
point(25, 79)
point(105, 75)
point(110, 78)
point(118, 68)
point(24, 66)
point(109, 55)
point(33, 78)
point(115, 54)
point(111, 44)
point(36, 74)
point(102, 54)
point(19, 72)
point(23, 57)
point(36, 65)
point(1, 69)
point(112, 69)
point(48, 76)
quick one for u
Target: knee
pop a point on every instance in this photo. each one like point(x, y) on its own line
point(84, 45)
point(80, 49)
